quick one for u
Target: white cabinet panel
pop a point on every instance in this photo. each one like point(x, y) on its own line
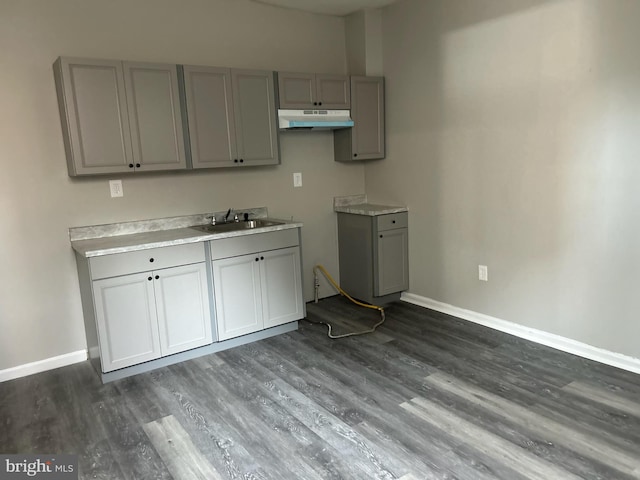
point(126, 318)
point(237, 294)
point(281, 286)
point(182, 300)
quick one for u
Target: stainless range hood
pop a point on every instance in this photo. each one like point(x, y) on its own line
point(314, 119)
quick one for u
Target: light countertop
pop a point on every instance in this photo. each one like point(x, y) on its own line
point(98, 240)
point(358, 205)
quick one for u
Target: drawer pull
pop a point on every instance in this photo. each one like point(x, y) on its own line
point(151, 259)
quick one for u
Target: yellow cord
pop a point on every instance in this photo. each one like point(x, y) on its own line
point(342, 292)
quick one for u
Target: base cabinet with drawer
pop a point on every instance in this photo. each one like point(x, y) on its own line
point(374, 255)
point(257, 282)
point(143, 313)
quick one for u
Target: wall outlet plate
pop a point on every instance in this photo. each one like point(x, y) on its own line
point(115, 186)
point(297, 179)
point(483, 273)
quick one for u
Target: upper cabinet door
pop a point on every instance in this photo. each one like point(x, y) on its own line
point(367, 103)
point(209, 102)
point(310, 90)
point(297, 90)
point(333, 92)
point(154, 113)
point(255, 117)
point(93, 110)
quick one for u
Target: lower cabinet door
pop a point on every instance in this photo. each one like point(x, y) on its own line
point(236, 286)
point(391, 262)
point(281, 286)
point(182, 299)
point(127, 320)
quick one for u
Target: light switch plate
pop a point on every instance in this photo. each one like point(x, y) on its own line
point(115, 186)
point(297, 179)
point(483, 273)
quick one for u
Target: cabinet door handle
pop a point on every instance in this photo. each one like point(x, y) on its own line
point(149, 278)
point(319, 103)
point(235, 160)
point(137, 165)
point(157, 277)
point(257, 259)
point(131, 165)
point(393, 221)
point(261, 258)
point(380, 236)
point(355, 154)
point(315, 103)
point(151, 260)
point(242, 160)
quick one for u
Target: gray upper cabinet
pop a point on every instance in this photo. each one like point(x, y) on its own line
point(231, 117)
point(119, 116)
point(209, 103)
point(365, 141)
point(309, 90)
point(153, 102)
point(93, 111)
point(255, 115)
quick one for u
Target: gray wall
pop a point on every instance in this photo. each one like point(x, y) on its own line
point(40, 312)
point(512, 135)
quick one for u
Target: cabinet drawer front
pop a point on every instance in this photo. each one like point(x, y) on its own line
point(391, 221)
point(145, 260)
point(235, 246)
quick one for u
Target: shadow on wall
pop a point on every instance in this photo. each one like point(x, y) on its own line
point(510, 139)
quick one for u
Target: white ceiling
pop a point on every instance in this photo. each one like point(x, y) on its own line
point(329, 7)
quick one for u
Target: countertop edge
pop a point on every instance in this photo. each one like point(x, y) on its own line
point(183, 236)
point(370, 210)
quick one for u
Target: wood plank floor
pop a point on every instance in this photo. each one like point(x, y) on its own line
point(427, 396)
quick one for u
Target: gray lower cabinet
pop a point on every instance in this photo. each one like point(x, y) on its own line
point(366, 140)
point(141, 313)
point(119, 116)
point(374, 256)
point(311, 90)
point(231, 117)
point(257, 282)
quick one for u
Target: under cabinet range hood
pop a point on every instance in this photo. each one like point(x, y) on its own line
point(314, 119)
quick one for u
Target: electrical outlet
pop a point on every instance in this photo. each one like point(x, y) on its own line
point(483, 273)
point(297, 179)
point(115, 186)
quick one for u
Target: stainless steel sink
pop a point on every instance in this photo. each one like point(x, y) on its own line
point(235, 226)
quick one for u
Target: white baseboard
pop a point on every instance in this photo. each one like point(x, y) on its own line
point(564, 344)
point(43, 365)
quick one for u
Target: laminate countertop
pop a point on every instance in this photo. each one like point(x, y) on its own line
point(359, 205)
point(369, 209)
point(99, 240)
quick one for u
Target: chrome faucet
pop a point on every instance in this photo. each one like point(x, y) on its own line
point(235, 216)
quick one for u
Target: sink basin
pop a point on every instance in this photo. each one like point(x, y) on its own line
point(235, 226)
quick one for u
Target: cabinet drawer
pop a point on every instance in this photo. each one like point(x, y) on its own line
point(259, 242)
point(391, 221)
point(145, 260)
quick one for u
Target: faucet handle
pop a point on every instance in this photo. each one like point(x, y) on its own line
point(235, 218)
point(213, 219)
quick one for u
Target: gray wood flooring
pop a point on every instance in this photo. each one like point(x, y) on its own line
point(428, 396)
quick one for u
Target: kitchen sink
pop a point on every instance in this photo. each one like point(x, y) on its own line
point(235, 226)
